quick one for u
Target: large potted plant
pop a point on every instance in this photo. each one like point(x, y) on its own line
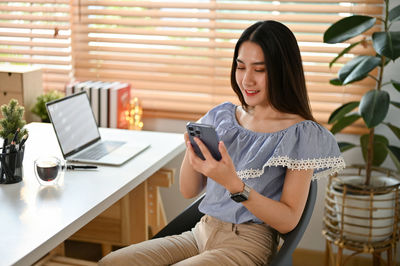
point(367, 186)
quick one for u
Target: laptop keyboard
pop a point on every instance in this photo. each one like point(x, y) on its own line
point(100, 150)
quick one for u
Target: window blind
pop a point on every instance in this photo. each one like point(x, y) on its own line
point(37, 32)
point(177, 54)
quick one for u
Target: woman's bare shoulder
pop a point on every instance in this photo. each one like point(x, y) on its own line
point(270, 122)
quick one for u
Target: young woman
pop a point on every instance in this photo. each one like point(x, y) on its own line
point(271, 149)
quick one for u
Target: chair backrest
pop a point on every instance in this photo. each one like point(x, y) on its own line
point(188, 218)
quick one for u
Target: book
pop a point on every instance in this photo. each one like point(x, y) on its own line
point(94, 99)
point(87, 87)
point(69, 88)
point(103, 101)
point(82, 86)
point(104, 118)
point(120, 97)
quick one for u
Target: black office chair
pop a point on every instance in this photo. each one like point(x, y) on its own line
point(187, 219)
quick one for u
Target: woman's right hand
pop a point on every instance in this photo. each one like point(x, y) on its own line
point(186, 137)
point(191, 182)
point(223, 171)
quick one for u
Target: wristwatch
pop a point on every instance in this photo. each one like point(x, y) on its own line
point(241, 196)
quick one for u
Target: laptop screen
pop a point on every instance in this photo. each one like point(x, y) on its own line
point(73, 122)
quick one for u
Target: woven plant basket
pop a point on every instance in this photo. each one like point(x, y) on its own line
point(363, 219)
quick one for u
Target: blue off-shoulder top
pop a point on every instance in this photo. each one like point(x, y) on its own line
point(261, 160)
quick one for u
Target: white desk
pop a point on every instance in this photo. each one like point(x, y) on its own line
point(33, 221)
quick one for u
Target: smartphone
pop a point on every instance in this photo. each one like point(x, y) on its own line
point(208, 135)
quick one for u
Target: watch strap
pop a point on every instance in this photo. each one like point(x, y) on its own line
point(241, 196)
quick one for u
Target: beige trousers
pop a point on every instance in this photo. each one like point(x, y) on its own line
point(211, 242)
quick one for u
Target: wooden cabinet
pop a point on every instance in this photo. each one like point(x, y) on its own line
point(23, 84)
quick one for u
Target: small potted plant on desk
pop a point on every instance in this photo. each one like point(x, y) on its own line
point(39, 108)
point(362, 208)
point(14, 137)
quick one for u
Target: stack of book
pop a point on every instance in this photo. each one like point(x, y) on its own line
point(109, 101)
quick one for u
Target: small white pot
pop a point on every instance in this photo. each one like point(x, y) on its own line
point(367, 218)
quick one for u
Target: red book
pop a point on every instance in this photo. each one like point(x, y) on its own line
point(120, 97)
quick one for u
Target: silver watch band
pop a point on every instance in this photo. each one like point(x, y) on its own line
point(241, 196)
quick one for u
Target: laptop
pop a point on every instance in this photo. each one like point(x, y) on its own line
point(78, 135)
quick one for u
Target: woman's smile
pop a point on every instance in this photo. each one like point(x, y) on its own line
point(251, 92)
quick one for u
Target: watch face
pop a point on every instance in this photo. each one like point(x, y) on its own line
point(239, 197)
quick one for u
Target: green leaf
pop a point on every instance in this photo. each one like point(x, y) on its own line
point(394, 129)
point(12, 120)
point(358, 68)
point(396, 84)
point(345, 51)
point(336, 82)
point(394, 14)
point(344, 122)
point(380, 148)
point(394, 153)
point(387, 43)
point(374, 106)
point(347, 28)
point(397, 104)
point(39, 108)
point(344, 146)
point(342, 111)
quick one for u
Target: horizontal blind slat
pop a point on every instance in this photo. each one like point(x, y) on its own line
point(64, 2)
point(216, 24)
point(33, 52)
point(49, 18)
point(200, 5)
point(50, 70)
point(316, 30)
point(35, 44)
point(35, 35)
point(35, 61)
point(27, 25)
point(47, 9)
point(267, 9)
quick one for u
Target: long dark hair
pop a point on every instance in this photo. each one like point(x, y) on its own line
point(286, 90)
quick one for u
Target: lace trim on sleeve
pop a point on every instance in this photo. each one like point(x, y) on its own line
point(333, 165)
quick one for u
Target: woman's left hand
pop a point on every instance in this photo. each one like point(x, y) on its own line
point(223, 171)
